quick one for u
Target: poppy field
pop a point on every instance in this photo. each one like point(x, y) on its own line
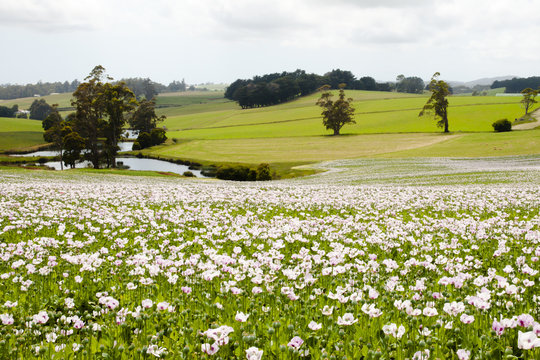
point(119, 267)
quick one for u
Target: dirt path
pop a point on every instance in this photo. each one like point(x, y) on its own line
point(527, 126)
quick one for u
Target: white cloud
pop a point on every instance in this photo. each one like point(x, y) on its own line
point(57, 16)
point(226, 39)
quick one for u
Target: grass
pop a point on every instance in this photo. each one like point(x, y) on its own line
point(490, 92)
point(14, 124)
point(20, 133)
point(479, 144)
point(375, 113)
point(63, 101)
point(296, 149)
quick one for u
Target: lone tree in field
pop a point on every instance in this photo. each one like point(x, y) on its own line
point(528, 100)
point(437, 103)
point(336, 113)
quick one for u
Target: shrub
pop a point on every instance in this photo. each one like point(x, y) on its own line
point(157, 136)
point(188, 174)
point(263, 172)
point(236, 173)
point(209, 171)
point(136, 146)
point(144, 140)
point(502, 125)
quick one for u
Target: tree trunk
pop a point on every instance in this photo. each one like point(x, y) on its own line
point(61, 159)
point(446, 124)
point(336, 131)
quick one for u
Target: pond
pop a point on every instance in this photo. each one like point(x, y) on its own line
point(140, 165)
point(124, 146)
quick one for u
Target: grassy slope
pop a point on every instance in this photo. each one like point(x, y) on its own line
point(63, 100)
point(375, 113)
point(296, 149)
point(293, 133)
point(479, 144)
point(19, 133)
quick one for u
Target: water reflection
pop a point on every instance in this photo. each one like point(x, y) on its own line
point(140, 165)
point(124, 146)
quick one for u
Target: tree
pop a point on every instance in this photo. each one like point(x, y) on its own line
point(60, 133)
point(8, 112)
point(53, 126)
point(144, 118)
point(73, 145)
point(368, 83)
point(157, 136)
point(528, 100)
point(437, 104)
point(39, 109)
point(337, 77)
point(177, 86)
point(336, 113)
point(412, 85)
point(89, 110)
point(100, 115)
point(117, 100)
point(263, 172)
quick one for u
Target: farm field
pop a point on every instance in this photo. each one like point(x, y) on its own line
point(19, 133)
point(127, 267)
point(375, 113)
point(63, 101)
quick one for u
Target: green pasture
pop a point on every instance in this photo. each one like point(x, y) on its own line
point(20, 133)
point(479, 145)
point(490, 92)
point(320, 148)
point(376, 112)
point(63, 101)
point(295, 149)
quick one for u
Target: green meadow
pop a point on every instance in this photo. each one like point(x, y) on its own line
point(376, 113)
point(63, 101)
point(387, 125)
point(19, 133)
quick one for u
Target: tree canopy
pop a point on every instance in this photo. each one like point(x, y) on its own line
point(144, 118)
point(9, 112)
point(411, 85)
point(437, 104)
point(39, 109)
point(8, 91)
point(336, 113)
point(516, 85)
point(528, 100)
point(276, 88)
point(100, 115)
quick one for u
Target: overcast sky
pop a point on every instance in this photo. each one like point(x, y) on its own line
point(222, 40)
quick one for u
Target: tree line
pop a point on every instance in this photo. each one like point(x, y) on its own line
point(93, 131)
point(9, 112)
point(516, 85)
point(141, 87)
point(8, 92)
point(276, 88)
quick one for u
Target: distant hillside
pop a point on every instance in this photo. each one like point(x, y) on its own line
point(481, 82)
